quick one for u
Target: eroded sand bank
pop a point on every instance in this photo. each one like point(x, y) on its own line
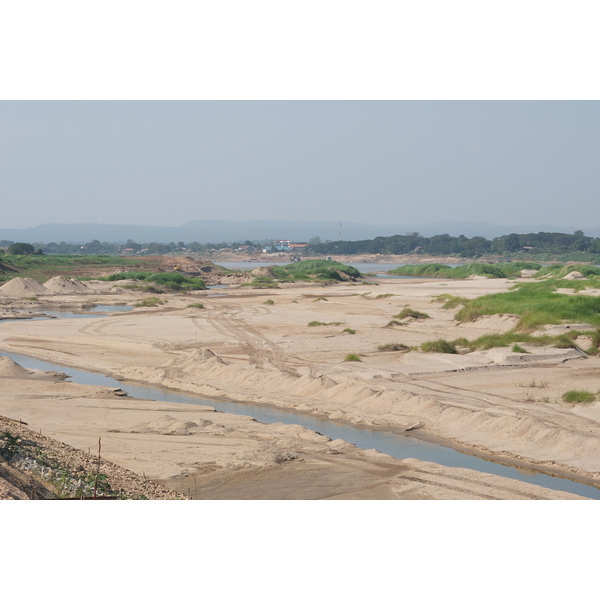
point(240, 347)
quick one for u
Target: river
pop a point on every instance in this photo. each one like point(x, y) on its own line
point(393, 444)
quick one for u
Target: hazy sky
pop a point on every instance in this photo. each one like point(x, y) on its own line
point(376, 162)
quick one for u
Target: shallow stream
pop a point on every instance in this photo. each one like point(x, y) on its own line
point(393, 444)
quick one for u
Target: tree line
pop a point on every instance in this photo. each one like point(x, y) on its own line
point(409, 243)
point(414, 243)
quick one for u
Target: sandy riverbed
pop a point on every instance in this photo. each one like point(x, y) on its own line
point(256, 346)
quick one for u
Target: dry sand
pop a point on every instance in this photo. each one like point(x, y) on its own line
point(496, 401)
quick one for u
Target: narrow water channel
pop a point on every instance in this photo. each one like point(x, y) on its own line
point(396, 445)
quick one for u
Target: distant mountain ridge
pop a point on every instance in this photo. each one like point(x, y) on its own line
point(215, 231)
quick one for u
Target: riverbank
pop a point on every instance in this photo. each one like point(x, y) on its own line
point(256, 345)
point(170, 449)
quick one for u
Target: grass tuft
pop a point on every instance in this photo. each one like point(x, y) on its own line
point(152, 301)
point(440, 345)
point(352, 358)
point(413, 314)
point(579, 396)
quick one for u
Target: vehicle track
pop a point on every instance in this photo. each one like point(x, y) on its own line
point(228, 321)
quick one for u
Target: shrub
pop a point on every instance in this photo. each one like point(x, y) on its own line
point(414, 314)
point(317, 323)
point(269, 301)
point(348, 330)
point(440, 346)
point(352, 358)
point(381, 296)
point(393, 322)
point(196, 305)
point(392, 347)
point(320, 299)
point(517, 348)
point(152, 301)
point(579, 396)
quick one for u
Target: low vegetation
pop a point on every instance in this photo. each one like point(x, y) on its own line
point(269, 302)
point(320, 323)
point(349, 330)
point(196, 305)
point(442, 271)
point(170, 281)
point(151, 301)
point(579, 396)
point(535, 306)
point(393, 323)
point(440, 345)
point(261, 283)
point(352, 358)
point(392, 348)
point(321, 271)
point(409, 312)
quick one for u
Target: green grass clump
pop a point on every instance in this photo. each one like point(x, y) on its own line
point(152, 301)
point(269, 301)
point(381, 296)
point(392, 347)
point(138, 275)
point(579, 396)
point(352, 358)
point(326, 271)
point(393, 322)
point(535, 306)
point(449, 300)
point(261, 282)
point(414, 314)
point(440, 345)
point(559, 271)
point(196, 305)
point(31, 298)
point(519, 349)
point(319, 323)
point(494, 271)
point(348, 330)
point(321, 299)
point(170, 281)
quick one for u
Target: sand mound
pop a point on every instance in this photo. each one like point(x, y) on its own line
point(19, 286)
point(499, 323)
point(167, 425)
point(62, 285)
point(505, 356)
point(9, 368)
point(574, 275)
point(262, 272)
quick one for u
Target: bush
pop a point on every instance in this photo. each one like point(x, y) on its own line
point(443, 346)
point(152, 301)
point(393, 322)
point(352, 358)
point(579, 396)
point(414, 314)
point(520, 349)
point(348, 330)
point(392, 347)
point(196, 305)
point(270, 302)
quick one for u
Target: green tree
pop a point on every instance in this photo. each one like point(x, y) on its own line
point(21, 248)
